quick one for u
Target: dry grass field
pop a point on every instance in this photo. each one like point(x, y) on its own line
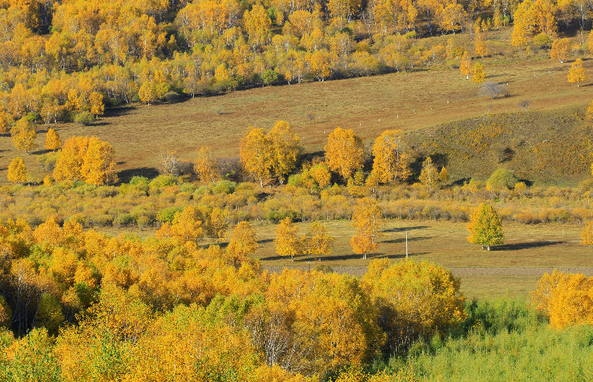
point(510, 270)
point(369, 105)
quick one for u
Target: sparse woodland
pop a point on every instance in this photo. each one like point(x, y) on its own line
point(107, 276)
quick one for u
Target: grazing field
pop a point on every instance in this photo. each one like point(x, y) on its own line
point(369, 105)
point(510, 270)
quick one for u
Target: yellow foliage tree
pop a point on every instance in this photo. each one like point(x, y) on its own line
point(52, 140)
point(390, 157)
point(17, 171)
point(565, 298)
point(285, 149)
point(415, 299)
point(255, 154)
point(23, 135)
point(480, 46)
point(344, 153)
point(587, 233)
point(5, 121)
point(205, 165)
point(96, 104)
point(560, 49)
point(485, 227)
point(429, 175)
point(288, 242)
point(366, 217)
point(319, 242)
point(243, 242)
point(577, 73)
point(187, 226)
point(88, 159)
point(257, 25)
point(479, 73)
point(98, 163)
point(590, 112)
point(465, 67)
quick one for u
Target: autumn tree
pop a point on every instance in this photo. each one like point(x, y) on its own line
point(243, 242)
point(88, 159)
point(587, 233)
point(590, 112)
point(366, 218)
point(344, 152)
point(319, 242)
point(23, 135)
point(257, 25)
point(17, 172)
point(479, 73)
point(187, 226)
point(466, 65)
point(205, 165)
point(577, 73)
point(255, 154)
point(52, 140)
point(429, 175)
point(285, 149)
point(390, 161)
point(5, 121)
point(96, 104)
point(485, 227)
point(288, 242)
point(560, 49)
point(480, 47)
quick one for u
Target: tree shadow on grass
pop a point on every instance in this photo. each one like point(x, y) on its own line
point(263, 241)
point(403, 239)
point(126, 175)
point(404, 229)
point(118, 111)
point(528, 245)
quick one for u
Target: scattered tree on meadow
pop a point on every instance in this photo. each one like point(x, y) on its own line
point(17, 171)
point(485, 227)
point(390, 161)
point(577, 73)
point(479, 73)
point(52, 140)
point(319, 242)
point(367, 219)
point(560, 50)
point(288, 242)
point(205, 165)
point(443, 175)
point(344, 152)
point(465, 67)
point(23, 135)
point(480, 47)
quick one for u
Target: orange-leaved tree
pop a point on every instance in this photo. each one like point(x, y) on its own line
point(367, 219)
point(243, 242)
point(465, 67)
point(344, 152)
point(205, 166)
point(17, 171)
point(479, 73)
point(319, 242)
point(23, 135)
point(52, 140)
point(288, 242)
point(577, 73)
point(285, 149)
point(255, 154)
point(390, 161)
point(88, 159)
point(560, 49)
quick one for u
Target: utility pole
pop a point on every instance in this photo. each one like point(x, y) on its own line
point(406, 244)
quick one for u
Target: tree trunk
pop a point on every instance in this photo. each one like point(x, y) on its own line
point(488, 247)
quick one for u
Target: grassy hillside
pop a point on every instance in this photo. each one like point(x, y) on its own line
point(369, 105)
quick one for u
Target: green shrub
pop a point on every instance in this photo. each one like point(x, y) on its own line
point(85, 118)
point(501, 178)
